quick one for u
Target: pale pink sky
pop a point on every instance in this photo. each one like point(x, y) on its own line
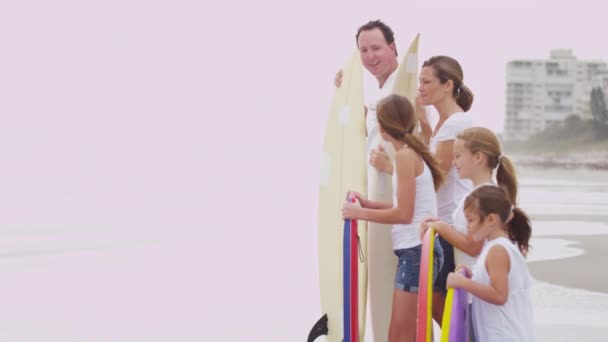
point(205, 121)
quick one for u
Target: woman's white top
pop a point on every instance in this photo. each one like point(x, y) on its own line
point(454, 189)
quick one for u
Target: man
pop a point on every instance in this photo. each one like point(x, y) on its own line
point(378, 51)
point(376, 43)
point(377, 48)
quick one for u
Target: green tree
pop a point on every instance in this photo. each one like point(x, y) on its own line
point(599, 112)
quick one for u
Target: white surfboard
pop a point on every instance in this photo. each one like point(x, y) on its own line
point(343, 169)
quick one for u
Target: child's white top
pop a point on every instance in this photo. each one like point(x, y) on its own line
point(513, 321)
point(425, 205)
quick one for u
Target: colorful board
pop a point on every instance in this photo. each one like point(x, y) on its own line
point(343, 168)
point(456, 316)
point(424, 330)
point(382, 262)
point(350, 269)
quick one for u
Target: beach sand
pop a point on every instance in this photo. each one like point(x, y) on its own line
point(584, 271)
point(570, 333)
point(571, 294)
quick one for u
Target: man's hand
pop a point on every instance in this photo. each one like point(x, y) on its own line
point(338, 78)
point(379, 159)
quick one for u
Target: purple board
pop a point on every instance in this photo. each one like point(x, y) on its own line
point(459, 322)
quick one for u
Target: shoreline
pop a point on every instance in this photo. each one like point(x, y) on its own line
point(577, 272)
point(589, 161)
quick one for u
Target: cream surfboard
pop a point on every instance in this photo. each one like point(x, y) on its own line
point(382, 262)
point(343, 168)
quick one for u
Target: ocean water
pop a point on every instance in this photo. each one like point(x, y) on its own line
point(577, 194)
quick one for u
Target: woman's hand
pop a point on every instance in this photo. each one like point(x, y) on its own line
point(420, 111)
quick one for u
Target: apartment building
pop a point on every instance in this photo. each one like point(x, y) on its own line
point(540, 93)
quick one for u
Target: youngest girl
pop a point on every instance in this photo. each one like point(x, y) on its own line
point(500, 281)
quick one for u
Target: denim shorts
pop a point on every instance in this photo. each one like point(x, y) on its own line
point(448, 266)
point(408, 267)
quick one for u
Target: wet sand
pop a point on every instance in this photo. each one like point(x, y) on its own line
point(586, 271)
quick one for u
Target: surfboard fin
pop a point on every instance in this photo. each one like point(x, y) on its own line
point(320, 328)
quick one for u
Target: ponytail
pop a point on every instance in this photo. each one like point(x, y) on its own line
point(464, 97)
point(520, 230)
point(483, 140)
point(506, 178)
point(448, 69)
point(489, 199)
point(419, 147)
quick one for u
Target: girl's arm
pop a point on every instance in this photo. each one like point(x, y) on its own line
point(365, 203)
point(498, 265)
point(406, 161)
point(430, 222)
point(463, 242)
point(376, 205)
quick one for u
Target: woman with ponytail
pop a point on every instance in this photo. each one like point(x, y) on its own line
point(416, 178)
point(441, 84)
point(477, 153)
point(500, 281)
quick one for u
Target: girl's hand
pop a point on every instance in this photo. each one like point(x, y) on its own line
point(426, 224)
point(362, 200)
point(352, 210)
point(467, 270)
point(455, 280)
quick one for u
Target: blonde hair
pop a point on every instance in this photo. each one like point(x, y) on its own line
point(483, 140)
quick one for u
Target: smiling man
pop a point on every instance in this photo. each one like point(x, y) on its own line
point(376, 44)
